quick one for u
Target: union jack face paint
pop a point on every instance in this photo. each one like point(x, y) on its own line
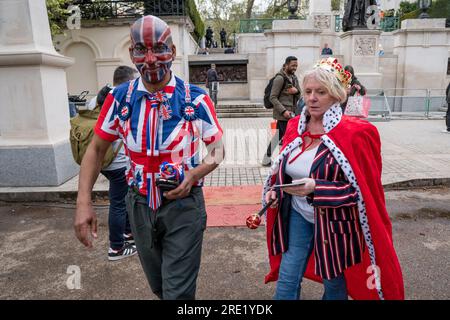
point(151, 48)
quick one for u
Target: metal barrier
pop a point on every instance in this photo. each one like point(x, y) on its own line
point(387, 24)
point(379, 108)
point(418, 102)
point(254, 25)
point(257, 25)
point(337, 23)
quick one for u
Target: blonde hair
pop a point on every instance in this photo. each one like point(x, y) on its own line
point(329, 81)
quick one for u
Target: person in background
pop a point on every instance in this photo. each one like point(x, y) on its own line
point(326, 50)
point(223, 38)
point(284, 97)
point(121, 241)
point(212, 77)
point(355, 86)
point(447, 115)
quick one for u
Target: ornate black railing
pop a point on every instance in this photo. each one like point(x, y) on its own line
point(100, 10)
point(103, 9)
point(165, 7)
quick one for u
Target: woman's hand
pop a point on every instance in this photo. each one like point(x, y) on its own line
point(302, 190)
point(271, 195)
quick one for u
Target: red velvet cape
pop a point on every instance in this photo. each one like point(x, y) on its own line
point(360, 142)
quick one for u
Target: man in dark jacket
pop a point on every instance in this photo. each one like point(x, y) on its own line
point(284, 97)
point(209, 37)
point(326, 50)
point(223, 38)
point(447, 115)
point(212, 79)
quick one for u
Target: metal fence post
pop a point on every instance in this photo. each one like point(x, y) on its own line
point(427, 103)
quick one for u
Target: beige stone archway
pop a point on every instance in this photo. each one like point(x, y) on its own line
point(82, 75)
point(75, 38)
point(121, 51)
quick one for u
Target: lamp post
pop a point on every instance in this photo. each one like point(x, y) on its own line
point(424, 5)
point(292, 7)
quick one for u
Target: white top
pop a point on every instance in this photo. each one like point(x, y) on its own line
point(299, 169)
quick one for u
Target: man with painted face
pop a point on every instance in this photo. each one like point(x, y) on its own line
point(160, 118)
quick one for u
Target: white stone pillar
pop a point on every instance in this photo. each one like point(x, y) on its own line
point(292, 38)
point(422, 47)
point(34, 112)
point(360, 50)
point(323, 18)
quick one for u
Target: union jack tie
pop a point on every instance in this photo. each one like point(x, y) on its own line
point(155, 100)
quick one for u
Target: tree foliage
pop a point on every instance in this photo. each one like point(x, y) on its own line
point(439, 9)
point(57, 15)
point(199, 25)
point(224, 14)
point(335, 5)
point(406, 7)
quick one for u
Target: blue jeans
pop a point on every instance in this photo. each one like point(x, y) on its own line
point(295, 259)
point(118, 217)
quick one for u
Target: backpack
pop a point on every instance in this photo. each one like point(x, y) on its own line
point(268, 89)
point(81, 133)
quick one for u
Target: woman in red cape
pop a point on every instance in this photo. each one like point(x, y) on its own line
point(352, 230)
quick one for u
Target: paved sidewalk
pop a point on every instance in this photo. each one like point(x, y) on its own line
point(411, 150)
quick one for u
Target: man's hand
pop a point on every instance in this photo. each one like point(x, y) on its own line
point(287, 115)
point(85, 224)
point(216, 153)
point(292, 90)
point(302, 190)
point(183, 190)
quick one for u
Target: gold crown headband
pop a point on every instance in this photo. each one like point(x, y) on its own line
point(332, 65)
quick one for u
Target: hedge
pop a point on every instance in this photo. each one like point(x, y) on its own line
point(199, 25)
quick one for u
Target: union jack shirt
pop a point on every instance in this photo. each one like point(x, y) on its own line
point(164, 126)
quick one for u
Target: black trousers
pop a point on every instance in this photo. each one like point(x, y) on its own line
point(277, 138)
point(169, 242)
point(447, 117)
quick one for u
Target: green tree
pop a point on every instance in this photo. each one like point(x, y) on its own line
point(335, 5)
point(439, 9)
point(223, 14)
point(406, 7)
point(57, 15)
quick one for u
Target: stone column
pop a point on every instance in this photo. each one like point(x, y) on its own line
point(34, 112)
point(360, 50)
point(323, 18)
point(423, 49)
point(292, 38)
